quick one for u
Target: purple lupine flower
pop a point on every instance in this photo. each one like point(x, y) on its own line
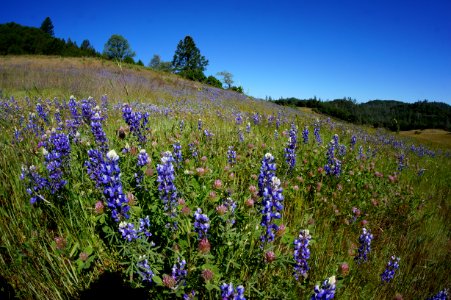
point(301, 254)
point(128, 231)
point(57, 159)
point(193, 150)
point(335, 140)
point(178, 271)
point(189, 296)
point(166, 186)
point(42, 112)
point(442, 295)
point(144, 225)
point(93, 166)
point(365, 245)
point(74, 110)
point(248, 127)
point(353, 142)
point(143, 158)
point(390, 269)
point(97, 131)
point(137, 122)
point(327, 290)
point(333, 166)
point(290, 150)
point(271, 193)
point(229, 293)
point(34, 183)
point(87, 111)
point(240, 136)
point(208, 134)
point(256, 118)
point(231, 156)
point(341, 150)
point(58, 120)
point(106, 173)
point(231, 207)
point(178, 158)
point(181, 125)
point(238, 119)
point(144, 270)
point(401, 164)
point(201, 224)
point(361, 155)
point(305, 135)
point(318, 139)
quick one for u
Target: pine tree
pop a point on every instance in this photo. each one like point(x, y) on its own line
point(47, 26)
point(188, 60)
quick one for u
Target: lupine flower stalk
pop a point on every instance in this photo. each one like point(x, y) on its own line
point(290, 150)
point(271, 193)
point(442, 295)
point(144, 270)
point(34, 183)
point(231, 156)
point(390, 269)
point(57, 159)
point(166, 186)
point(143, 158)
point(137, 122)
point(301, 254)
point(178, 158)
point(229, 293)
point(365, 246)
point(327, 290)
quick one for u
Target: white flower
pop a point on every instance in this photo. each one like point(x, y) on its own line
point(332, 280)
point(44, 151)
point(112, 155)
point(268, 156)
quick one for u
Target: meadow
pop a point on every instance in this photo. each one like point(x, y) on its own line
point(178, 190)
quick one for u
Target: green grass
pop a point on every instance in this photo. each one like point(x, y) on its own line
point(43, 245)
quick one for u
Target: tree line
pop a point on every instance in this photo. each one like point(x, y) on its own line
point(391, 114)
point(187, 62)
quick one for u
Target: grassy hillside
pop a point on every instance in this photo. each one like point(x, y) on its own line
point(161, 188)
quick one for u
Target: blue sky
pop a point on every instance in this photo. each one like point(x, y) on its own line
point(329, 49)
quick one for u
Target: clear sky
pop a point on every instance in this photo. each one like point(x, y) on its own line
point(363, 49)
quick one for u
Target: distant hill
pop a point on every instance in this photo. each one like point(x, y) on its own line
point(391, 114)
point(18, 39)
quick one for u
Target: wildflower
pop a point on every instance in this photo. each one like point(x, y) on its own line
point(99, 207)
point(353, 142)
point(231, 155)
point(442, 295)
point(305, 135)
point(193, 150)
point(57, 159)
point(60, 242)
point(365, 246)
point(166, 185)
point(270, 256)
point(97, 131)
point(83, 256)
point(128, 231)
point(228, 292)
point(35, 183)
point(391, 268)
point(178, 271)
point(271, 193)
point(143, 159)
point(201, 224)
point(344, 269)
point(240, 136)
point(217, 184)
point(177, 154)
point(333, 166)
point(327, 290)
point(204, 246)
point(199, 124)
point(137, 122)
point(207, 274)
point(144, 270)
point(301, 254)
point(318, 139)
point(290, 150)
point(248, 127)
point(401, 164)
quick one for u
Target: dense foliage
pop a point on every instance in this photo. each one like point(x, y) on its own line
point(394, 115)
point(118, 48)
point(18, 39)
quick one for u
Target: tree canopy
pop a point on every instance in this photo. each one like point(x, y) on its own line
point(47, 26)
point(226, 78)
point(118, 48)
point(188, 60)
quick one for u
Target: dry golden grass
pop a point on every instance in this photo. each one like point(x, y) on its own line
point(436, 137)
point(51, 76)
